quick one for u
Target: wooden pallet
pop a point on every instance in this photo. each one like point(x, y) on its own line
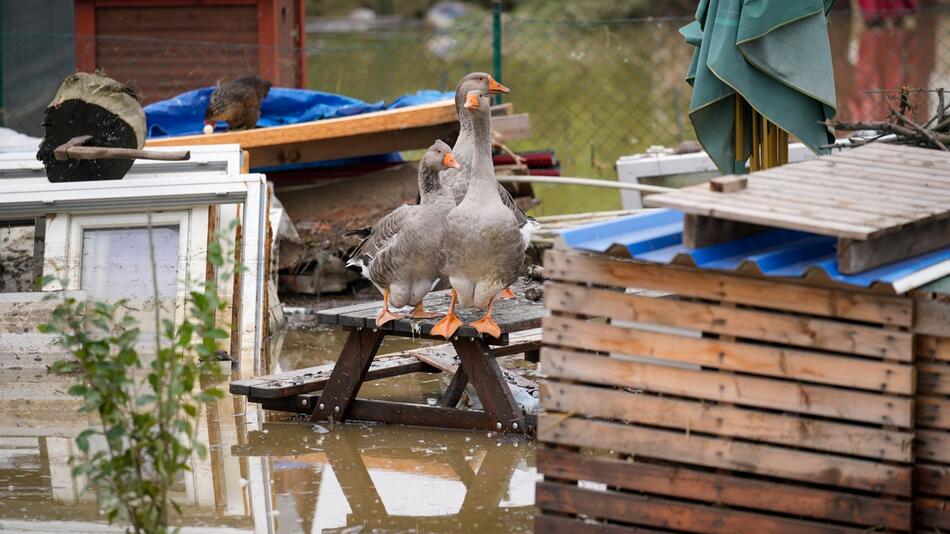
point(732, 404)
point(932, 469)
point(883, 203)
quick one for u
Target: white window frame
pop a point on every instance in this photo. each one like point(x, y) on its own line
point(192, 245)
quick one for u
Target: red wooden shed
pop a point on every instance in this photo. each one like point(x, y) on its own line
point(165, 47)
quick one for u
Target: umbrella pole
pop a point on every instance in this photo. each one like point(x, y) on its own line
point(739, 166)
point(754, 163)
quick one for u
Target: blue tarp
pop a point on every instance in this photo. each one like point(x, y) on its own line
point(184, 114)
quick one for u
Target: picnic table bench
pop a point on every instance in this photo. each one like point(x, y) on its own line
point(329, 392)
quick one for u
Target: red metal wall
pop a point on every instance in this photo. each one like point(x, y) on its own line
point(165, 47)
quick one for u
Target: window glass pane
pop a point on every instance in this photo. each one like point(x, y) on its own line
point(116, 263)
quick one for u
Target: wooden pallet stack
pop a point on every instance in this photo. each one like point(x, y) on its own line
point(932, 466)
point(720, 402)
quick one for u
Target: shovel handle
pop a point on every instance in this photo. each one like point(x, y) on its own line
point(72, 149)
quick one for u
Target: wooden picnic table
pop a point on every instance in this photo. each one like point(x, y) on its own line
point(329, 392)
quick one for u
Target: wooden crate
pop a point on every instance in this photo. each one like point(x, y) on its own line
point(717, 402)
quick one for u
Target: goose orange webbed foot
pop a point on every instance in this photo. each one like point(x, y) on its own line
point(447, 326)
point(385, 316)
point(486, 325)
point(450, 323)
point(419, 312)
point(506, 294)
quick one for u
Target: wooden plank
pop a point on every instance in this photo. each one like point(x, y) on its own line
point(400, 413)
point(933, 378)
point(315, 378)
point(878, 160)
point(849, 181)
point(441, 112)
point(932, 317)
point(932, 479)
point(722, 489)
point(933, 412)
point(552, 524)
point(855, 304)
point(767, 460)
point(700, 231)
point(750, 358)
point(933, 348)
point(728, 184)
point(933, 445)
point(667, 513)
point(728, 421)
point(857, 256)
point(762, 325)
point(932, 513)
point(397, 413)
point(512, 315)
point(773, 202)
point(726, 387)
point(881, 177)
point(778, 181)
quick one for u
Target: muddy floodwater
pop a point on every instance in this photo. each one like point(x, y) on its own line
point(267, 473)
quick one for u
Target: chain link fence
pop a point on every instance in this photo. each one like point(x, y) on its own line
point(594, 90)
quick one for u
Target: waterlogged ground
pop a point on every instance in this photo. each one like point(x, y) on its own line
point(267, 474)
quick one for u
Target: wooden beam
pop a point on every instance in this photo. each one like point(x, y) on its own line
point(435, 113)
point(749, 391)
point(668, 513)
point(855, 256)
point(675, 481)
point(851, 303)
point(770, 326)
point(751, 458)
point(728, 184)
point(701, 231)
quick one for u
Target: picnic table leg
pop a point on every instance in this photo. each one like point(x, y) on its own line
point(483, 371)
point(348, 375)
point(453, 393)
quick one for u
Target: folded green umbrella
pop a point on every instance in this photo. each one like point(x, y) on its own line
point(776, 55)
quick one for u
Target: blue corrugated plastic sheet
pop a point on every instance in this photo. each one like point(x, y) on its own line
point(657, 236)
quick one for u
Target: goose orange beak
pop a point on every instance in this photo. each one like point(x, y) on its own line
point(471, 100)
point(449, 161)
point(495, 87)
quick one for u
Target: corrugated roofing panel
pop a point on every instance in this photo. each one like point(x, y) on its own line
point(657, 236)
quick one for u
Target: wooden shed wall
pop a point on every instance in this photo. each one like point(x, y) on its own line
point(167, 47)
point(709, 402)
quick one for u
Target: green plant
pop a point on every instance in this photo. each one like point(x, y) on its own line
point(147, 411)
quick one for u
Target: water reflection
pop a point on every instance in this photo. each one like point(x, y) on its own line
point(265, 474)
point(391, 478)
